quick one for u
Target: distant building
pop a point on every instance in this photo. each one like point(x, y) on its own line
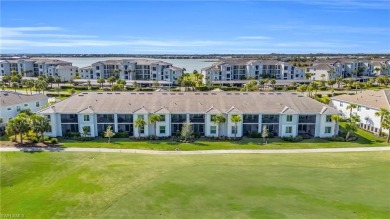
point(284, 114)
point(240, 69)
point(132, 69)
point(12, 103)
point(368, 103)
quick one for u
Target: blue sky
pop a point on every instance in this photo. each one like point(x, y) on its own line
point(195, 27)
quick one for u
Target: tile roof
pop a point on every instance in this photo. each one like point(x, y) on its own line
point(374, 99)
point(190, 102)
point(9, 98)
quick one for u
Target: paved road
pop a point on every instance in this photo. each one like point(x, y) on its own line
point(138, 151)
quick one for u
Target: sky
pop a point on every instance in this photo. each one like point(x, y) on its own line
point(195, 27)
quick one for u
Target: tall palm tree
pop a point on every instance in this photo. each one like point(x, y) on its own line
point(336, 119)
point(153, 119)
point(350, 107)
point(382, 113)
point(235, 119)
point(139, 124)
point(40, 124)
point(101, 81)
point(386, 125)
point(218, 120)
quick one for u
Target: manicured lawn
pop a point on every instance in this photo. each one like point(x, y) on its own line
point(365, 139)
point(108, 185)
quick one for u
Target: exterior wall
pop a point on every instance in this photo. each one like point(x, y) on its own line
point(283, 124)
point(8, 112)
point(367, 116)
point(321, 126)
point(230, 125)
point(317, 73)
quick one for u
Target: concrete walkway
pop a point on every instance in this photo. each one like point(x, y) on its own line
point(243, 151)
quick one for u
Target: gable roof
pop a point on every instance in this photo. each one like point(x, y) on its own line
point(369, 98)
point(9, 98)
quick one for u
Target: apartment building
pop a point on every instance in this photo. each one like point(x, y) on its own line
point(65, 72)
point(132, 69)
point(12, 103)
point(239, 69)
point(34, 67)
point(284, 114)
point(368, 103)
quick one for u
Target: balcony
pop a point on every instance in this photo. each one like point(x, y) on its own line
point(125, 118)
point(197, 118)
point(69, 118)
point(105, 118)
point(178, 118)
point(270, 119)
point(307, 119)
point(247, 118)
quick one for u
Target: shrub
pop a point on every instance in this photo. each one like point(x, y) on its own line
point(72, 135)
point(33, 139)
point(46, 138)
point(66, 87)
point(94, 87)
point(129, 88)
point(202, 88)
point(12, 138)
point(147, 89)
point(293, 139)
point(121, 135)
point(54, 140)
point(81, 87)
point(56, 95)
point(338, 138)
point(254, 135)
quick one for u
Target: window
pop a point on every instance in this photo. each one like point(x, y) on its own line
point(48, 117)
point(142, 130)
point(88, 129)
point(86, 118)
point(162, 117)
point(213, 129)
point(289, 118)
point(26, 104)
point(359, 108)
point(288, 130)
point(162, 129)
point(341, 103)
point(328, 130)
point(97, 67)
point(9, 108)
point(140, 117)
point(17, 108)
point(328, 118)
point(154, 69)
point(227, 68)
point(37, 104)
point(234, 130)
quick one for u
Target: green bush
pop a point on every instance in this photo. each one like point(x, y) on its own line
point(202, 88)
point(56, 95)
point(66, 87)
point(54, 140)
point(230, 88)
point(72, 135)
point(33, 139)
point(293, 139)
point(95, 87)
point(12, 138)
point(121, 135)
point(254, 135)
point(129, 88)
point(81, 87)
point(147, 89)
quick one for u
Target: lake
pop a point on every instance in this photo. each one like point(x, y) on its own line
point(189, 64)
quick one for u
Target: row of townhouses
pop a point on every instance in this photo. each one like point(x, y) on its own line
point(226, 70)
point(284, 114)
point(346, 68)
point(368, 103)
point(12, 103)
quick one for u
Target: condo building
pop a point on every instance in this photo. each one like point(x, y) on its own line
point(132, 69)
point(284, 114)
point(239, 69)
point(368, 103)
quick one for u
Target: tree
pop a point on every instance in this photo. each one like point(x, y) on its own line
point(350, 127)
point(72, 91)
point(186, 131)
point(382, 113)
point(30, 85)
point(86, 130)
point(7, 79)
point(20, 124)
point(153, 119)
point(50, 80)
point(350, 107)
point(57, 79)
point(331, 82)
point(386, 125)
point(89, 84)
point(323, 76)
point(338, 81)
point(273, 82)
point(308, 75)
point(58, 90)
point(15, 85)
point(218, 120)
point(235, 119)
point(264, 133)
point(40, 124)
point(155, 84)
point(101, 81)
point(336, 119)
point(302, 88)
point(263, 82)
point(139, 124)
point(109, 133)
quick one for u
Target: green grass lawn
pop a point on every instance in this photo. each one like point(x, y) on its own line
point(114, 185)
point(365, 139)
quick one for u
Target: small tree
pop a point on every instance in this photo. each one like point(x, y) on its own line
point(139, 124)
point(86, 130)
point(40, 124)
point(108, 133)
point(386, 125)
point(264, 133)
point(336, 119)
point(186, 131)
point(58, 90)
point(153, 119)
point(218, 120)
point(235, 119)
point(20, 124)
point(350, 107)
point(381, 113)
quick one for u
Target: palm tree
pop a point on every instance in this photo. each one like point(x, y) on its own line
point(308, 75)
point(218, 120)
point(40, 124)
point(338, 81)
point(263, 82)
point(24, 83)
point(30, 85)
point(273, 82)
point(235, 119)
point(302, 88)
point(350, 127)
point(20, 124)
point(336, 119)
point(139, 124)
point(50, 80)
point(350, 107)
point(15, 85)
point(153, 119)
point(377, 69)
point(386, 125)
point(382, 113)
point(101, 81)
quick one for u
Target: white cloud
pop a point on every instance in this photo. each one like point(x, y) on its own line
point(254, 37)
